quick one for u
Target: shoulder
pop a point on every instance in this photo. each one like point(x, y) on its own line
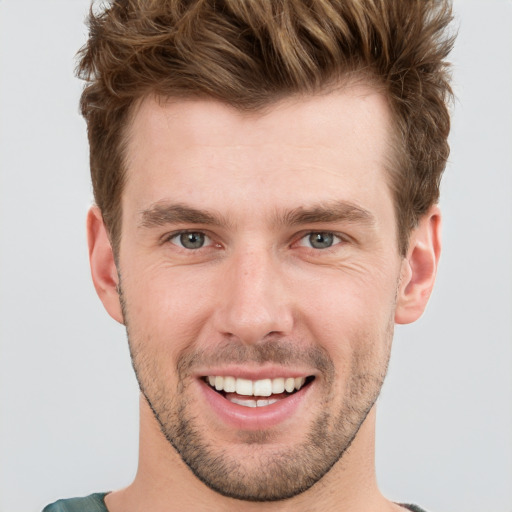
point(92, 503)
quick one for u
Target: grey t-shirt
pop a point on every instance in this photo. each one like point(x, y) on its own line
point(95, 503)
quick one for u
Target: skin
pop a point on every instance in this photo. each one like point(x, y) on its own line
point(257, 299)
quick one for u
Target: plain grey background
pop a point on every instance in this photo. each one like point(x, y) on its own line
point(68, 400)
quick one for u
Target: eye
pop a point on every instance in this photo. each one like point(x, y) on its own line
point(190, 240)
point(320, 240)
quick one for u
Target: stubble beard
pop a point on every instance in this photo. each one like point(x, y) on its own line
point(267, 475)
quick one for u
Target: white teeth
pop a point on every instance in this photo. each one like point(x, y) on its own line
point(229, 384)
point(244, 387)
point(246, 403)
point(263, 403)
point(262, 387)
point(289, 384)
point(278, 386)
point(252, 403)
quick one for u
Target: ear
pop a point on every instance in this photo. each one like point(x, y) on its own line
point(419, 268)
point(103, 267)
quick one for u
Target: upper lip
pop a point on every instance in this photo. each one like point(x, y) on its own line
point(254, 373)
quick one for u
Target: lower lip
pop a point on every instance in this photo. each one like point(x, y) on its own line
point(254, 418)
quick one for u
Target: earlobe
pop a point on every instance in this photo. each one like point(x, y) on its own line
point(103, 267)
point(419, 268)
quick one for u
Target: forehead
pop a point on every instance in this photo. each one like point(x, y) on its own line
point(308, 148)
point(340, 115)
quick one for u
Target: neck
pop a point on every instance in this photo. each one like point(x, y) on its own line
point(163, 482)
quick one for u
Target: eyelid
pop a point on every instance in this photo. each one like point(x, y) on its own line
point(305, 235)
point(342, 238)
point(168, 237)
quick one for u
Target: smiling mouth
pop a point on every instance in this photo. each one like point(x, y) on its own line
point(256, 393)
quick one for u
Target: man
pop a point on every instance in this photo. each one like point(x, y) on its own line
point(266, 177)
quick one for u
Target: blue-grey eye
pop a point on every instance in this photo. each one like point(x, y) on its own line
point(320, 240)
point(190, 240)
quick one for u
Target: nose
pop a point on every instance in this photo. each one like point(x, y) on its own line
point(253, 301)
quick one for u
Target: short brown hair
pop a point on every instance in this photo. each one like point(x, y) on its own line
point(250, 53)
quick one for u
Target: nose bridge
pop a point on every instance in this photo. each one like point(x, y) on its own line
point(254, 302)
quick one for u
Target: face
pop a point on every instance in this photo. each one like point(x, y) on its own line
point(259, 272)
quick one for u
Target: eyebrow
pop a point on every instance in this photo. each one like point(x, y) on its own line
point(332, 211)
point(162, 213)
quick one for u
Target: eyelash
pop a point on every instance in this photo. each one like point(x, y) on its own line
point(337, 239)
point(177, 234)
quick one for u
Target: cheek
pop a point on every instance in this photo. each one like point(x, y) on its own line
point(167, 309)
point(348, 312)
